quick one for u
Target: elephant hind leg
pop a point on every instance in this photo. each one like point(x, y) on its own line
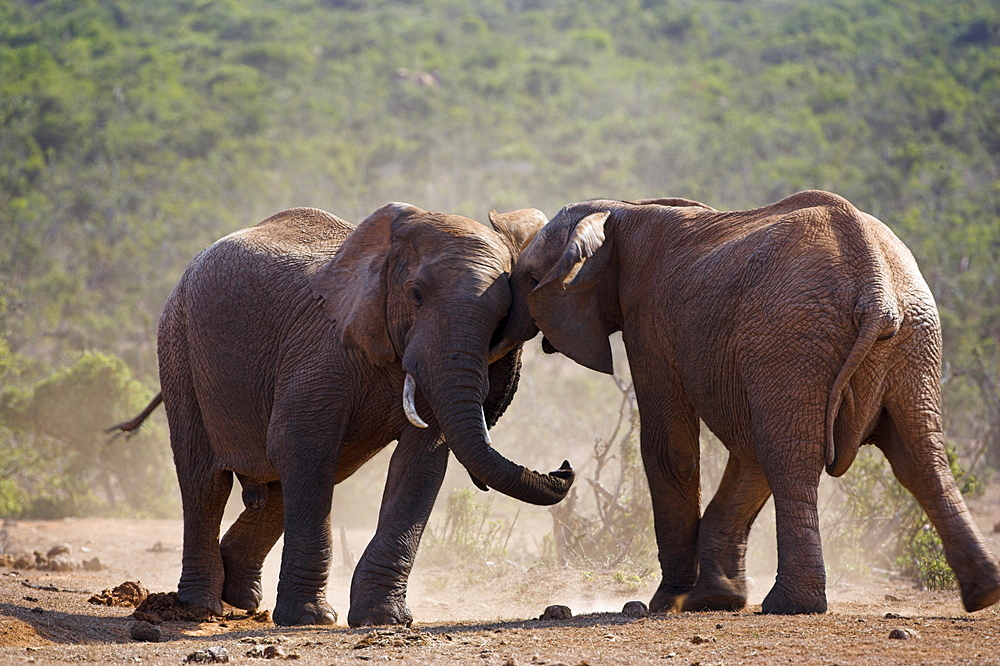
point(792, 465)
point(204, 492)
point(245, 545)
point(722, 538)
point(920, 462)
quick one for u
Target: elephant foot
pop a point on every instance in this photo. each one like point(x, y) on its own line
point(200, 603)
point(389, 612)
point(780, 602)
point(717, 594)
point(983, 590)
point(316, 612)
point(242, 592)
point(667, 599)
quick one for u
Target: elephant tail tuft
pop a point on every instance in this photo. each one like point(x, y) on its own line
point(131, 426)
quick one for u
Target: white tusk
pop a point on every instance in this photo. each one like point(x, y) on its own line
point(486, 431)
point(409, 391)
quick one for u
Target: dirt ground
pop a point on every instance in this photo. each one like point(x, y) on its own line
point(45, 616)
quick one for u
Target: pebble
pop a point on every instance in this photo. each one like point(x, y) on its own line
point(635, 610)
point(212, 655)
point(144, 631)
point(275, 652)
point(902, 634)
point(556, 612)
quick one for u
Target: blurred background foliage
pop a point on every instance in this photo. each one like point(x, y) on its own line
point(133, 134)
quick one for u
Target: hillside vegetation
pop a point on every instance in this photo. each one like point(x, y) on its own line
point(133, 134)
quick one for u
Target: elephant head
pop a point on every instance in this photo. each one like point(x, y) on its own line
point(430, 291)
point(564, 283)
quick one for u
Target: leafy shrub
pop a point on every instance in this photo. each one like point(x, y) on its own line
point(880, 524)
point(469, 533)
point(54, 452)
point(619, 530)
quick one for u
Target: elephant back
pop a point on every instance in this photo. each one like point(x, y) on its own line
point(307, 232)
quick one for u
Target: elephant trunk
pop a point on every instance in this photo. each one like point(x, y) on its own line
point(465, 434)
point(455, 396)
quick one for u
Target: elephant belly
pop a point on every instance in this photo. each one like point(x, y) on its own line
point(355, 454)
point(241, 446)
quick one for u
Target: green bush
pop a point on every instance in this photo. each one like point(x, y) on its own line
point(880, 524)
point(469, 535)
point(56, 459)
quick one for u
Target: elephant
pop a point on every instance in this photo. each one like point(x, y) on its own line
point(795, 332)
point(292, 351)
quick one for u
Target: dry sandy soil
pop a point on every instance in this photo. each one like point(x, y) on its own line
point(485, 622)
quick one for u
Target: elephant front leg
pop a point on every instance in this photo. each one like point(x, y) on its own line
point(378, 589)
point(246, 544)
point(722, 538)
point(308, 472)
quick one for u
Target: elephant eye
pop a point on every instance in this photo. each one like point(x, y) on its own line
point(417, 294)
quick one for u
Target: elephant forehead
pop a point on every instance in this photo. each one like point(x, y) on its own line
point(458, 251)
point(459, 269)
point(432, 226)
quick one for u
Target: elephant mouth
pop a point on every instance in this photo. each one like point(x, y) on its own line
point(499, 345)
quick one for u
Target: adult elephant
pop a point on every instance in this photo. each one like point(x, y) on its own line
point(291, 352)
point(796, 332)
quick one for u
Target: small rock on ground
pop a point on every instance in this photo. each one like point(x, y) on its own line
point(212, 655)
point(902, 634)
point(144, 631)
point(635, 610)
point(556, 612)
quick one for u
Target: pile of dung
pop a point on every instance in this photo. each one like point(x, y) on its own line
point(129, 593)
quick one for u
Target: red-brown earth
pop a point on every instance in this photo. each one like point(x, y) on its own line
point(45, 616)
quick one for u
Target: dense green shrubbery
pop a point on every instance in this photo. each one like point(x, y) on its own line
point(55, 460)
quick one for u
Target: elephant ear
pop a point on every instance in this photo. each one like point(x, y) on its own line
point(565, 303)
point(353, 284)
point(518, 227)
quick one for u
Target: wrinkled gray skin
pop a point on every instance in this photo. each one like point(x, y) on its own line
point(796, 332)
point(283, 351)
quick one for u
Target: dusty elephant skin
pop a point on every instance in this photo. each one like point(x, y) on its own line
point(796, 332)
point(283, 352)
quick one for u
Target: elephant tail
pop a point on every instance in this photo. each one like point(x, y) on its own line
point(131, 426)
point(876, 321)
